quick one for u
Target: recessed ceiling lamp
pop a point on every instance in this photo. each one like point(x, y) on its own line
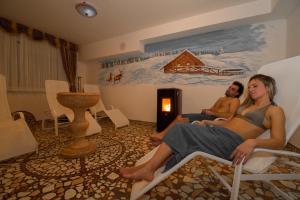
point(86, 9)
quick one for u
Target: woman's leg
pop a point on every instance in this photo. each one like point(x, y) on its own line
point(130, 170)
point(146, 170)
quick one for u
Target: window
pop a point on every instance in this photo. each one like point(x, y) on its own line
point(26, 63)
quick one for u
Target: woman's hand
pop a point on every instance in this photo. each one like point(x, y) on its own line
point(199, 123)
point(243, 151)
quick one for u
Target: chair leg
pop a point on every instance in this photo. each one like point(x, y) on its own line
point(236, 182)
point(56, 126)
point(278, 191)
point(43, 124)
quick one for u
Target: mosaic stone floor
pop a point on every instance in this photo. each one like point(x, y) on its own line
point(46, 175)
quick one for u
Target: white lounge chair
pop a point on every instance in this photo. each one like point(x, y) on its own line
point(286, 73)
point(57, 110)
point(99, 110)
point(15, 136)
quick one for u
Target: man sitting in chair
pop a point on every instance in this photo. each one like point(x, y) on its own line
point(224, 107)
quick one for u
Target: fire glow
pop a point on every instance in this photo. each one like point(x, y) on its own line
point(166, 104)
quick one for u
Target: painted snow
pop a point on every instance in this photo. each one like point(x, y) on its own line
point(245, 47)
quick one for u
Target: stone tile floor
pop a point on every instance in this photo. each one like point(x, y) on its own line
point(46, 175)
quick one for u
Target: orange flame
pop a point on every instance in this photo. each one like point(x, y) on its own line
point(166, 104)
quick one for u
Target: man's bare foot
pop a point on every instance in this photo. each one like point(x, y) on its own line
point(181, 119)
point(137, 173)
point(157, 137)
point(155, 143)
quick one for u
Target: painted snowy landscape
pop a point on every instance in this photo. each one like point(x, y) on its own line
point(243, 48)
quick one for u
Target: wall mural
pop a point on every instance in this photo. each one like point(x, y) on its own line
point(217, 57)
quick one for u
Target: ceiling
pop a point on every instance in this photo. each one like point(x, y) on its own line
point(115, 17)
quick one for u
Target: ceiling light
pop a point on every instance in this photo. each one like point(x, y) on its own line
point(86, 9)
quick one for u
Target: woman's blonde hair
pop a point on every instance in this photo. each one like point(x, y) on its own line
point(270, 84)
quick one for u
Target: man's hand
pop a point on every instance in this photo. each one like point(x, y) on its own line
point(205, 111)
point(209, 112)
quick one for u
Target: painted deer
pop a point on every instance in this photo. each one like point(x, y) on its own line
point(110, 77)
point(118, 77)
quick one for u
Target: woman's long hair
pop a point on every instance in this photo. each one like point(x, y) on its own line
point(270, 84)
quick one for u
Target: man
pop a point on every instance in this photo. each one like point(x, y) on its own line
point(224, 107)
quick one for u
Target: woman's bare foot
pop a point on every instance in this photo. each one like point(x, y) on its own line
point(129, 170)
point(137, 173)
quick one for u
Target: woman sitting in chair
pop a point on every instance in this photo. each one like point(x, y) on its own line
point(234, 139)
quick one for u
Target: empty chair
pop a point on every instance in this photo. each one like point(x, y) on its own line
point(286, 73)
point(115, 115)
point(58, 111)
point(15, 136)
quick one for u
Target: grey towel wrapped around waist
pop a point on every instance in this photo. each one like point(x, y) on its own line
point(185, 138)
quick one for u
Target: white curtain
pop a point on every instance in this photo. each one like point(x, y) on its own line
point(26, 63)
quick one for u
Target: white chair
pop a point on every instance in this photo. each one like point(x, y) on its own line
point(15, 136)
point(286, 73)
point(114, 114)
point(57, 110)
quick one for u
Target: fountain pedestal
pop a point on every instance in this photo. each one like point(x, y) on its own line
point(78, 102)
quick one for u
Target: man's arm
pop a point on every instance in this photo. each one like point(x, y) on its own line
point(207, 111)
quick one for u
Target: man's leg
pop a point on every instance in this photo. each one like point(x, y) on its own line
point(157, 138)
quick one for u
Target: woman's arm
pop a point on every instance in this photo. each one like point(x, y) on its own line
point(276, 122)
point(218, 121)
point(277, 130)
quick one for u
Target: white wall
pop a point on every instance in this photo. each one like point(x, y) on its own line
point(81, 71)
point(136, 101)
point(92, 71)
point(293, 49)
point(293, 33)
point(139, 102)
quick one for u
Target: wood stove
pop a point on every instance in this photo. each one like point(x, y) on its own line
point(168, 106)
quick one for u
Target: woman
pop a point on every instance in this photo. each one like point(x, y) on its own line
point(235, 139)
